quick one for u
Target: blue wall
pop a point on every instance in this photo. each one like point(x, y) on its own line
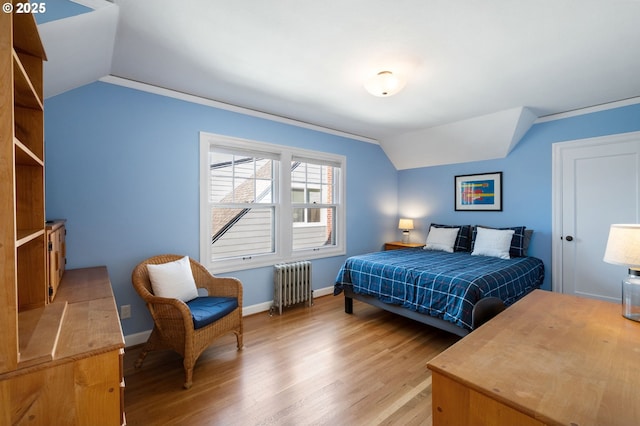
point(122, 168)
point(427, 193)
point(59, 9)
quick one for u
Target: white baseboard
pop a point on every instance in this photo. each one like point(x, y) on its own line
point(136, 338)
point(323, 291)
point(140, 338)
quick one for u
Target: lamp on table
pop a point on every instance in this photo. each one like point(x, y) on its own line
point(623, 248)
point(406, 225)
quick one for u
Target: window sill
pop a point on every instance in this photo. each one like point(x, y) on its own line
point(261, 261)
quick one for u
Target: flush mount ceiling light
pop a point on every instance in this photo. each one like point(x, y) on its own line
point(383, 84)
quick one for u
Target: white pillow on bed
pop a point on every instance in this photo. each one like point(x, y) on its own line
point(441, 239)
point(493, 242)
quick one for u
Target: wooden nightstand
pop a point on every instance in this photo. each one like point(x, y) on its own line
point(395, 245)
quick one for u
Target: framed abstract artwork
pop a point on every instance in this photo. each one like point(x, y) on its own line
point(479, 192)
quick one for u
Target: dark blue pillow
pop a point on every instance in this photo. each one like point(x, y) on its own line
point(205, 310)
point(463, 240)
point(517, 241)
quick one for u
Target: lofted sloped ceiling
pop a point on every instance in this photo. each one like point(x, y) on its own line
point(478, 73)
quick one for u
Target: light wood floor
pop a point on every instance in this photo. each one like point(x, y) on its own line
point(310, 366)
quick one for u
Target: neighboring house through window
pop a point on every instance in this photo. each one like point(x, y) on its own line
point(263, 203)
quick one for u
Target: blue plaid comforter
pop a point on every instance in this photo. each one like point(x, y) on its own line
point(440, 284)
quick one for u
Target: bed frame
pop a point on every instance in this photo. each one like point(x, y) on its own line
point(482, 312)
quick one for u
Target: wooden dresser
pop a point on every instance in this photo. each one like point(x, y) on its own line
point(71, 364)
point(550, 359)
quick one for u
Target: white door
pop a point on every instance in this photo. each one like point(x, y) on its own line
point(596, 183)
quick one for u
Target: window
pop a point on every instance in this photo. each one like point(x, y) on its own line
point(263, 203)
point(241, 189)
point(313, 192)
point(308, 215)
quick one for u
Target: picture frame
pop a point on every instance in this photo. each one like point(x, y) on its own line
point(479, 192)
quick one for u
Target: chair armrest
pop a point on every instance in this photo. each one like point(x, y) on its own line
point(216, 286)
point(222, 287)
point(166, 310)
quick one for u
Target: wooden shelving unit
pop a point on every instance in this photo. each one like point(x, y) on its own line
point(28, 142)
point(22, 214)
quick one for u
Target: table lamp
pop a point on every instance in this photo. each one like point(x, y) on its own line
point(623, 248)
point(405, 225)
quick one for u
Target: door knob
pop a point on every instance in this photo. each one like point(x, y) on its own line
point(569, 238)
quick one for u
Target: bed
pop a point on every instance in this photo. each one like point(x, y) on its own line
point(436, 287)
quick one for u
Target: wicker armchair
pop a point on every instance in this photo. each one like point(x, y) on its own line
point(173, 324)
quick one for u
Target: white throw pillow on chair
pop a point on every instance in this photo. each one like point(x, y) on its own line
point(173, 280)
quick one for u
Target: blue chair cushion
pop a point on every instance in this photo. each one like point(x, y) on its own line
point(205, 310)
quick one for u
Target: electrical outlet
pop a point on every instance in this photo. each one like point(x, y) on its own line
point(125, 311)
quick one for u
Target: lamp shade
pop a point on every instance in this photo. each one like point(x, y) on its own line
point(385, 83)
point(623, 245)
point(405, 224)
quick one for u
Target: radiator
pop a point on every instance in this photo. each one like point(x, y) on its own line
point(291, 284)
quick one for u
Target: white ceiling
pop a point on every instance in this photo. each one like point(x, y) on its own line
point(476, 71)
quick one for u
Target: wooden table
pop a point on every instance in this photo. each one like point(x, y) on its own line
point(549, 359)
